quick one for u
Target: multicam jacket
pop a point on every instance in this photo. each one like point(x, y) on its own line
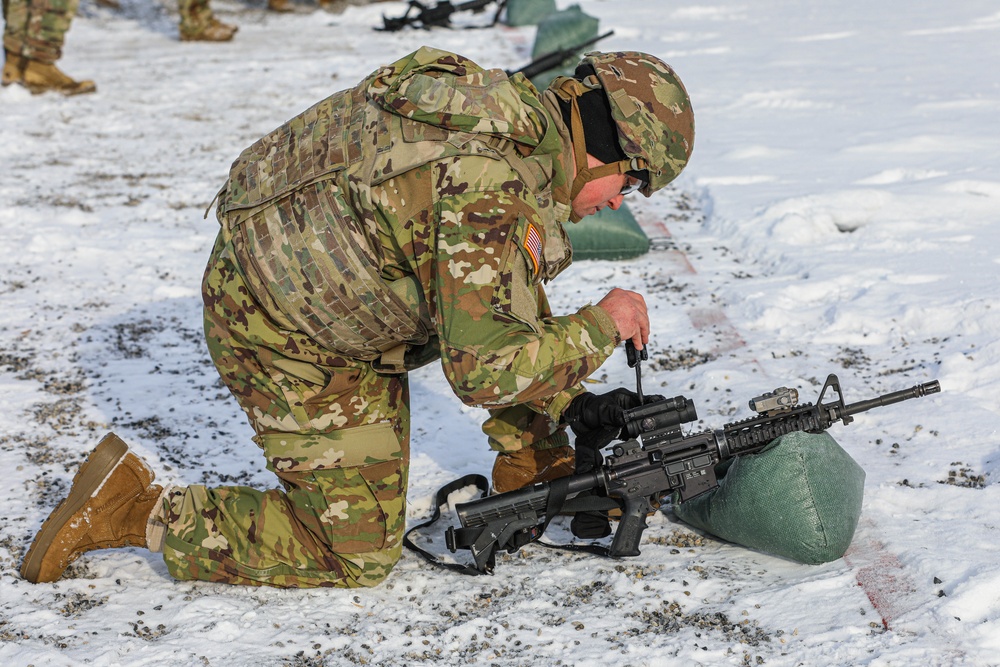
point(436, 196)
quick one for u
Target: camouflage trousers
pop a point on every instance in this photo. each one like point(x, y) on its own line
point(36, 29)
point(335, 433)
point(195, 16)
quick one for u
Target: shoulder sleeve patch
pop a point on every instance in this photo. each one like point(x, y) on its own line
point(533, 246)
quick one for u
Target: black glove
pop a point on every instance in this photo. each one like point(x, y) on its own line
point(589, 412)
point(597, 420)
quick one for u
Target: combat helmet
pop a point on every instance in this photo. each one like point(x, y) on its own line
point(649, 108)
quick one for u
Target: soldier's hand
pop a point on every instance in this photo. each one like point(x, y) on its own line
point(628, 310)
point(588, 412)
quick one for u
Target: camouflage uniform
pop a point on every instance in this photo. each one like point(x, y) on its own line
point(36, 29)
point(196, 16)
point(412, 217)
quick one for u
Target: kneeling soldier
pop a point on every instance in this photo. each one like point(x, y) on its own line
point(411, 218)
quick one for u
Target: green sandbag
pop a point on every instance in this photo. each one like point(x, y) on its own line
point(799, 498)
point(562, 30)
point(528, 12)
point(608, 234)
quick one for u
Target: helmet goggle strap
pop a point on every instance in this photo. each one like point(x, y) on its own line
point(570, 89)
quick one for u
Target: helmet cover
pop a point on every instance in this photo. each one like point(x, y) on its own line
point(652, 112)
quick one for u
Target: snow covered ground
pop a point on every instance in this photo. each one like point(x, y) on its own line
point(839, 215)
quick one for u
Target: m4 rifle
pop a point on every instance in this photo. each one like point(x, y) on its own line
point(653, 460)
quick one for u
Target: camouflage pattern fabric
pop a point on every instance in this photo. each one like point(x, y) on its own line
point(501, 348)
point(658, 129)
point(322, 221)
point(487, 153)
point(196, 15)
point(36, 29)
point(339, 519)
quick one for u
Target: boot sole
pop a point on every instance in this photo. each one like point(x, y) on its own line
point(108, 454)
point(37, 89)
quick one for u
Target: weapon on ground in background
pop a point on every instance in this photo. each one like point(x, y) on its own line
point(554, 59)
point(438, 15)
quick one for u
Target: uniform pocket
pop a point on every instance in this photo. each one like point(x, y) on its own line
point(363, 508)
point(352, 480)
point(341, 448)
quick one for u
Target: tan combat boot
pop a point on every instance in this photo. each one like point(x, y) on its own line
point(283, 6)
point(333, 6)
point(13, 68)
point(514, 470)
point(215, 31)
point(110, 505)
point(39, 77)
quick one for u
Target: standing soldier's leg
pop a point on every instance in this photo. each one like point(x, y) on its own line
point(15, 14)
point(48, 21)
point(280, 6)
point(39, 44)
point(198, 23)
point(332, 430)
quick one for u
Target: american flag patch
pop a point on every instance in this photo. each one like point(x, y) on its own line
point(533, 244)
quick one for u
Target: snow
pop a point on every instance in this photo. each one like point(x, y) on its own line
point(839, 216)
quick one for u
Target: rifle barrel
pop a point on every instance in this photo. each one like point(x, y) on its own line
point(919, 390)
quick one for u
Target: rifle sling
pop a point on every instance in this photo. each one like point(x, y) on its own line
point(441, 498)
point(584, 503)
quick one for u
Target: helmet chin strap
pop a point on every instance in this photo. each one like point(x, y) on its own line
point(570, 89)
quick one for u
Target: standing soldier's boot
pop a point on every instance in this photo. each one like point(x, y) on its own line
point(333, 6)
point(113, 503)
point(282, 6)
point(13, 68)
point(39, 77)
point(215, 31)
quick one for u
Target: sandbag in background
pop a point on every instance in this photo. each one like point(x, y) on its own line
point(528, 12)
